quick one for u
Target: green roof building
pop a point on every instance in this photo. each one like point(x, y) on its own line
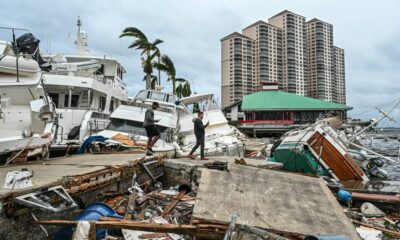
point(272, 110)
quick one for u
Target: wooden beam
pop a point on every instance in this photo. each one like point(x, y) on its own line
point(172, 204)
point(207, 231)
point(131, 206)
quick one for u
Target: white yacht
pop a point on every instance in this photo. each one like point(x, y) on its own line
point(126, 126)
point(28, 123)
point(85, 90)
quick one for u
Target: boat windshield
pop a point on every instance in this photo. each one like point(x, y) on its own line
point(127, 126)
point(202, 105)
point(156, 96)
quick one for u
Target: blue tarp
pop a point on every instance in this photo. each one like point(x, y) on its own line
point(88, 141)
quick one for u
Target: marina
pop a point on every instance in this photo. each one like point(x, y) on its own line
point(92, 151)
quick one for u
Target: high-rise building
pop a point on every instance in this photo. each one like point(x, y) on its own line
point(339, 92)
point(320, 59)
point(299, 55)
point(237, 67)
point(268, 52)
point(293, 51)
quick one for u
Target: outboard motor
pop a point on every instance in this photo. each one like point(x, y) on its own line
point(29, 44)
point(374, 169)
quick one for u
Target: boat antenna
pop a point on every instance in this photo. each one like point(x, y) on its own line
point(81, 39)
point(384, 115)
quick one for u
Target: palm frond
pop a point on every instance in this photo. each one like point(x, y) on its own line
point(134, 32)
point(157, 41)
point(180, 80)
point(160, 66)
point(169, 64)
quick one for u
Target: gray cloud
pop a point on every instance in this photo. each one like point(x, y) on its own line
point(367, 30)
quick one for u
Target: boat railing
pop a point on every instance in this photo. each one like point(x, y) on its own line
point(97, 125)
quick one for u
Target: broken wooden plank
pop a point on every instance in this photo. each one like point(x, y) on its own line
point(172, 204)
point(202, 231)
point(131, 206)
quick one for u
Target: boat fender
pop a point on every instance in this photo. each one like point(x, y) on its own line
point(344, 196)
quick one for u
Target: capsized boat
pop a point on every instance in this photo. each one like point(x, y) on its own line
point(28, 123)
point(320, 149)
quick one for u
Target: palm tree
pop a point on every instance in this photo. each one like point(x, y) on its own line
point(148, 48)
point(167, 66)
point(183, 90)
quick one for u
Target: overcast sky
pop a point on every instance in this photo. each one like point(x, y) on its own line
point(369, 31)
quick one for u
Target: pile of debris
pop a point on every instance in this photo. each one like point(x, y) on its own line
point(371, 221)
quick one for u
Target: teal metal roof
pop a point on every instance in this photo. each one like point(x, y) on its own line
point(278, 100)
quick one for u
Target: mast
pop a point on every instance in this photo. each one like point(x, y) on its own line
point(81, 41)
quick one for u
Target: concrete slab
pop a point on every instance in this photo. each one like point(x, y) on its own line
point(271, 199)
point(53, 170)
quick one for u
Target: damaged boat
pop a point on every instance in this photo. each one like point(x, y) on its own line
point(176, 126)
point(28, 122)
point(320, 149)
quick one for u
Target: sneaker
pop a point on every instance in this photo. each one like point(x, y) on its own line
point(149, 152)
point(204, 158)
point(192, 157)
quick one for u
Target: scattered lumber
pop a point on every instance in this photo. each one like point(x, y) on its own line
point(395, 233)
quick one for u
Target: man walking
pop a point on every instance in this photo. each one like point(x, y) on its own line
point(200, 134)
point(152, 133)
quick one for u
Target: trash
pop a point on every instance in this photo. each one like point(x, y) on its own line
point(18, 179)
point(93, 212)
point(369, 233)
point(370, 210)
point(54, 199)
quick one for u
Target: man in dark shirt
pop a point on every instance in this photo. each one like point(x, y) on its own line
point(152, 133)
point(200, 134)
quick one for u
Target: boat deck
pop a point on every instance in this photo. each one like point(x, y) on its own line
point(54, 170)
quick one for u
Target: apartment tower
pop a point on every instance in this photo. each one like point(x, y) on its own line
point(237, 67)
point(268, 52)
point(293, 51)
point(299, 55)
point(339, 92)
point(320, 59)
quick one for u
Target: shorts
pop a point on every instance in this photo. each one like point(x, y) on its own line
point(151, 131)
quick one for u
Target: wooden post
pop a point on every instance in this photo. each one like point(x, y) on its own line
point(92, 231)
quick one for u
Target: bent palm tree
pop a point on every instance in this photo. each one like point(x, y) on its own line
point(167, 66)
point(183, 89)
point(148, 48)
